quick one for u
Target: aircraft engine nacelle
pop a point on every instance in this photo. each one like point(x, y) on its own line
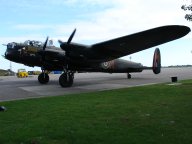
point(157, 61)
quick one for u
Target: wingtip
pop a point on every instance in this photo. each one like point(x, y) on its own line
point(184, 29)
point(179, 30)
point(188, 29)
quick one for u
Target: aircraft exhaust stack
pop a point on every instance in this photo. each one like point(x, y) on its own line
point(157, 61)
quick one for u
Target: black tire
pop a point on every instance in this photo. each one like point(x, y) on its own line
point(66, 80)
point(43, 78)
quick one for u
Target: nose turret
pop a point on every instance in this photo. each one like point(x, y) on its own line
point(10, 48)
point(12, 51)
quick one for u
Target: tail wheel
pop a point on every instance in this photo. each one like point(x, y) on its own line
point(43, 78)
point(128, 76)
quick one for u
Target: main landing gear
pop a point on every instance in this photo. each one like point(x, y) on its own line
point(65, 80)
point(43, 78)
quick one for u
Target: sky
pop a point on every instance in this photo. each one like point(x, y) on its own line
point(95, 21)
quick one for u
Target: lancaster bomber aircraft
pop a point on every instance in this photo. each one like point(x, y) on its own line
point(100, 57)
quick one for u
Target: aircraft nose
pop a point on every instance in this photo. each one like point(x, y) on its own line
point(8, 55)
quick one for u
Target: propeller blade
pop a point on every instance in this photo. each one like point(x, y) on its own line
point(3, 56)
point(71, 37)
point(4, 44)
point(45, 44)
point(60, 42)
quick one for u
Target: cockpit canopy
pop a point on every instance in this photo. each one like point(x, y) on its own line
point(33, 43)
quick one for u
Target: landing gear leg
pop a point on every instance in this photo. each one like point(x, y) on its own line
point(128, 76)
point(43, 78)
point(66, 79)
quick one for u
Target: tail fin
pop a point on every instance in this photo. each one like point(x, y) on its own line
point(157, 61)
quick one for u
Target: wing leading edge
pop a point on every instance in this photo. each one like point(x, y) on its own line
point(130, 44)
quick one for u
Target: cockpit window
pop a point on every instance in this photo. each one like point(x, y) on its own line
point(33, 43)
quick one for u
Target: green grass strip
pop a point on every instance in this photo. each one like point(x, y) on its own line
point(150, 114)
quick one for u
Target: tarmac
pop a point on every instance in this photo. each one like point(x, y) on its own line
point(13, 88)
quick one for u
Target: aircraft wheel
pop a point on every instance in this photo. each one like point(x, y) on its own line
point(66, 79)
point(128, 76)
point(43, 78)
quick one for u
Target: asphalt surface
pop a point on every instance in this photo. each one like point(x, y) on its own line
point(13, 88)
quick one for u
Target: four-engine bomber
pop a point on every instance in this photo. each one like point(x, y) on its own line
point(100, 57)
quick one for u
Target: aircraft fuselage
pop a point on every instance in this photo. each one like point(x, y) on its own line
point(32, 56)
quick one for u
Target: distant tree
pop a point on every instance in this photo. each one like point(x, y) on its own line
point(187, 8)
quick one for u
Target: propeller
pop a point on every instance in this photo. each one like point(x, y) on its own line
point(71, 37)
point(60, 42)
point(69, 40)
point(65, 45)
point(45, 44)
point(4, 44)
point(44, 47)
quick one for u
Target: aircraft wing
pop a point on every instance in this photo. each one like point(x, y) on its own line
point(130, 44)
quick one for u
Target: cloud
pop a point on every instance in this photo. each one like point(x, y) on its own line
point(84, 3)
point(126, 17)
point(32, 27)
point(117, 18)
point(122, 18)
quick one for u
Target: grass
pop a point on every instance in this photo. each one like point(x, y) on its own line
point(149, 114)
